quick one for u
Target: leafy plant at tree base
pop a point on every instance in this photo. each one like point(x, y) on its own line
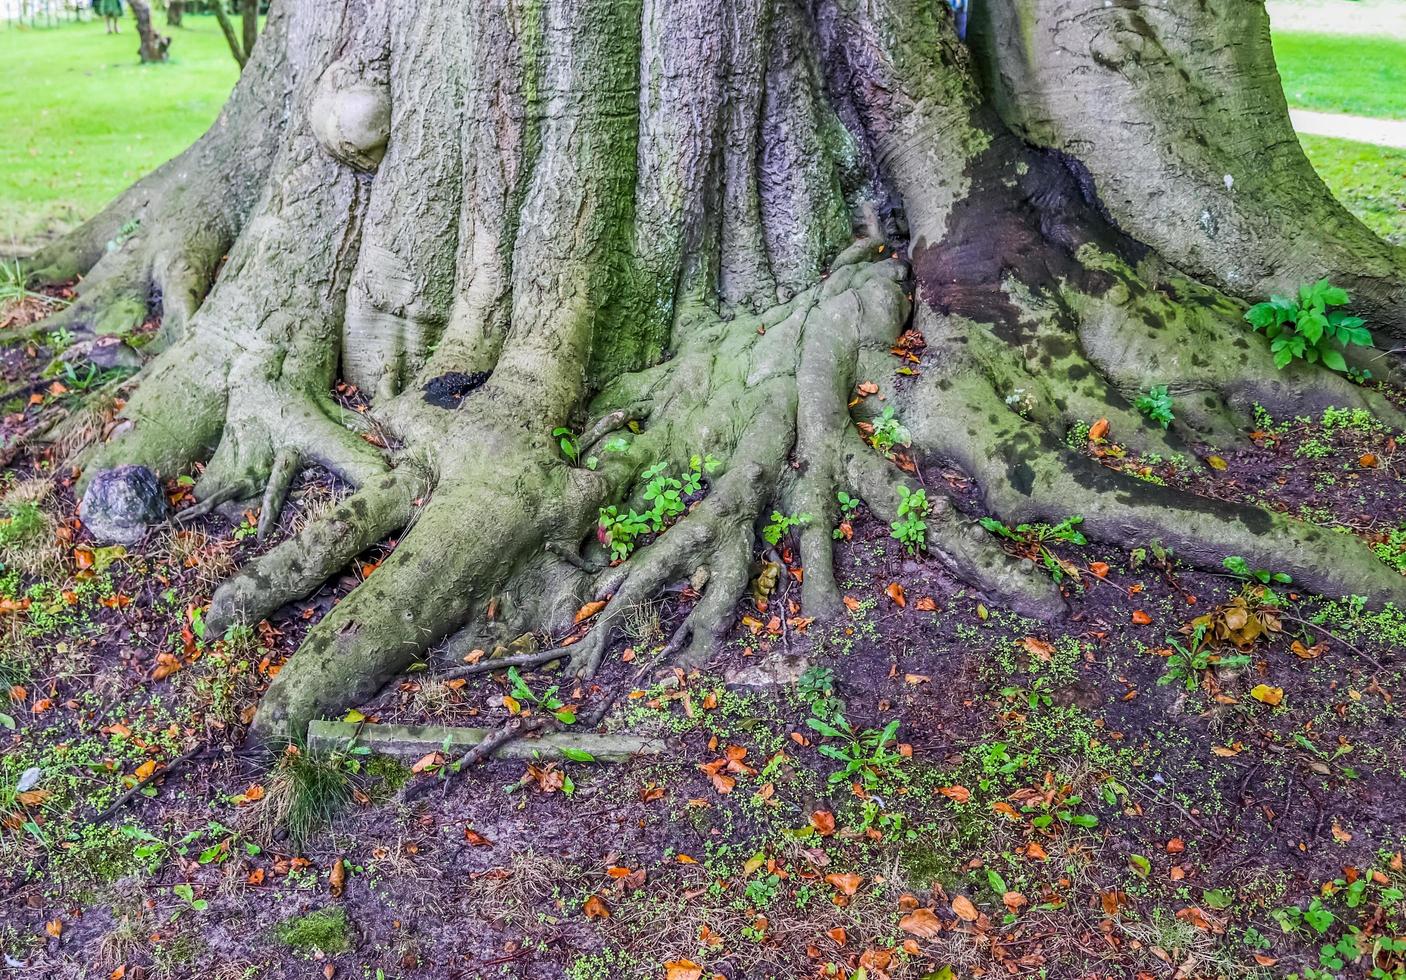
point(911, 530)
point(888, 432)
point(848, 505)
point(1033, 542)
point(1308, 329)
point(618, 529)
point(1188, 662)
point(1240, 568)
point(780, 525)
point(566, 440)
point(547, 700)
point(1156, 405)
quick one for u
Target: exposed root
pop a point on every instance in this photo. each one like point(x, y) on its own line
point(604, 201)
point(1027, 474)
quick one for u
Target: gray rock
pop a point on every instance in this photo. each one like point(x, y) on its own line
point(110, 352)
point(122, 504)
point(776, 671)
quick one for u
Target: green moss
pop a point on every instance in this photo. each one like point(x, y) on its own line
point(389, 774)
point(325, 930)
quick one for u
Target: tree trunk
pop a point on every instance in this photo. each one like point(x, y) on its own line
point(249, 17)
point(227, 28)
point(689, 228)
point(153, 45)
point(175, 10)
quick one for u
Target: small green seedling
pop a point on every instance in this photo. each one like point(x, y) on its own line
point(865, 754)
point(848, 506)
point(1240, 568)
point(1156, 406)
point(781, 524)
point(911, 530)
point(889, 432)
point(1033, 541)
point(1189, 661)
point(186, 893)
point(547, 700)
point(566, 440)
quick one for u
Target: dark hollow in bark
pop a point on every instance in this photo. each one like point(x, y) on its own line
point(686, 229)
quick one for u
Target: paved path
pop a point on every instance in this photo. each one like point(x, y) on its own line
point(1381, 132)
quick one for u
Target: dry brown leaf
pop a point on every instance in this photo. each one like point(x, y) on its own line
point(1098, 430)
point(964, 909)
point(476, 839)
point(1034, 851)
point(1099, 568)
point(824, 822)
point(589, 610)
point(957, 794)
point(922, 923)
point(595, 908)
point(846, 884)
point(54, 927)
point(1141, 618)
point(837, 935)
point(895, 592)
point(337, 880)
point(1038, 648)
point(682, 970)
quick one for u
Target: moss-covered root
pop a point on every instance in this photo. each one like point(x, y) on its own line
point(1027, 474)
point(483, 528)
point(299, 566)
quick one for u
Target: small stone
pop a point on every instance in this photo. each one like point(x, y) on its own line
point(776, 671)
point(110, 352)
point(122, 504)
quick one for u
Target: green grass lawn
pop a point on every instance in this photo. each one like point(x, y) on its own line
point(83, 119)
point(1363, 76)
point(1370, 180)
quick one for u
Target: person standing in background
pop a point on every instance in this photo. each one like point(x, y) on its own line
point(111, 13)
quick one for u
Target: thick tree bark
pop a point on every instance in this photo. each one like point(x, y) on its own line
point(709, 220)
point(1178, 114)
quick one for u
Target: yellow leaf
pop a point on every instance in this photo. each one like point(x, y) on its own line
point(145, 769)
point(354, 717)
point(512, 704)
point(1216, 463)
point(1269, 695)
